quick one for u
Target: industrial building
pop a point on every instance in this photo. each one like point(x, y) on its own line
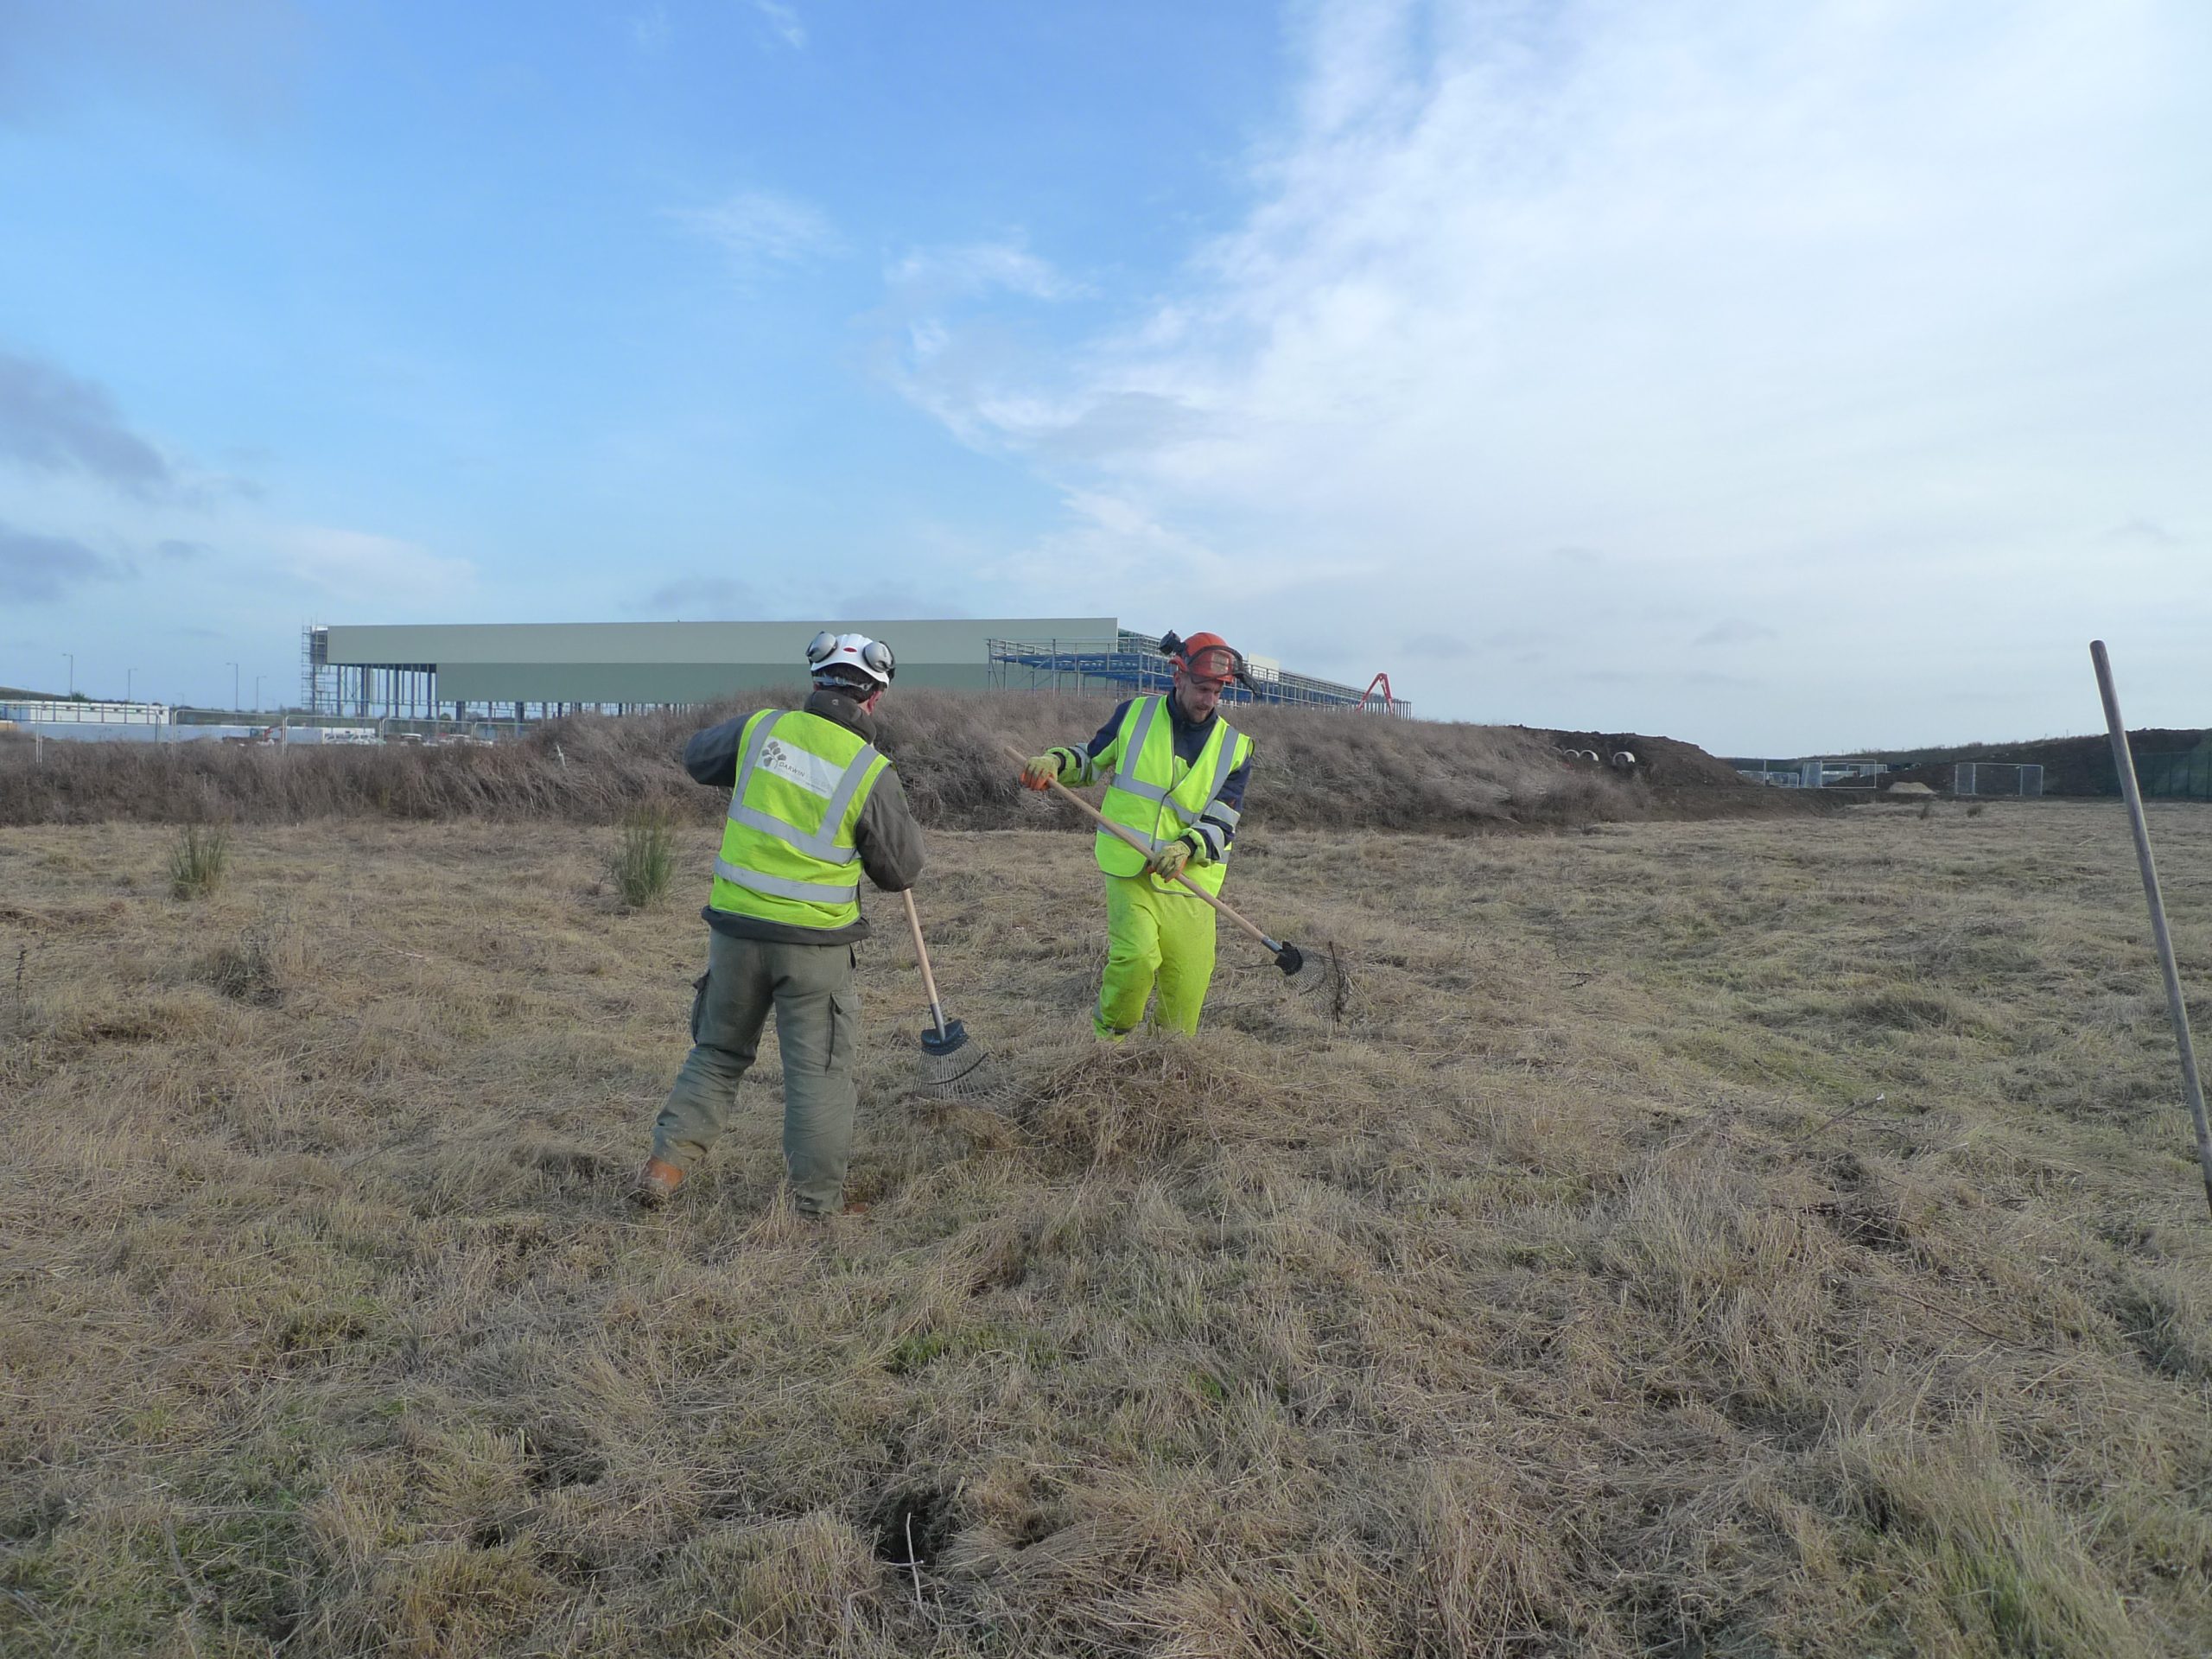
point(527, 670)
point(91, 720)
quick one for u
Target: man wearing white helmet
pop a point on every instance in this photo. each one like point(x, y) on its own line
point(812, 804)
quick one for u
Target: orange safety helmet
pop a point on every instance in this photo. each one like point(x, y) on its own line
point(1205, 657)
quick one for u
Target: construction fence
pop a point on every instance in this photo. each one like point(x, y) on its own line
point(2186, 776)
point(1988, 778)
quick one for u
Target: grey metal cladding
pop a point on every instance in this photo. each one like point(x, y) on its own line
point(674, 662)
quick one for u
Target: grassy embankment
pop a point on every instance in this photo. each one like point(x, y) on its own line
point(1697, 1238)
point(1319, 772)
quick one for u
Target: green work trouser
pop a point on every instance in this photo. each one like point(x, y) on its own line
point(1153, 936)
point(810, 987)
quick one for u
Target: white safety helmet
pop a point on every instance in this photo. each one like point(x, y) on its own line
point(840, 656)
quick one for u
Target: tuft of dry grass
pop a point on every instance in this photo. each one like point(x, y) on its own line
point(254, 967)
point(642, 866)
point(198, 859)
point(1714, 1238)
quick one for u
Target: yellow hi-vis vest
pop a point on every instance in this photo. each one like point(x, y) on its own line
point(1158, 796)
point(787, 847)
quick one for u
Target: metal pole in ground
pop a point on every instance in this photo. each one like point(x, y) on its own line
point(2124, 763)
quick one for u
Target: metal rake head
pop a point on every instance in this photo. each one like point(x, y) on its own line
point(1323, 974)
point(954, 1067)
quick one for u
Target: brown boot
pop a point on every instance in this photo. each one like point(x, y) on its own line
point(657, 1184)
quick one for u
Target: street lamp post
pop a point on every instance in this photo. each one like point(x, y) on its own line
point(127, 673)
point(233, 667)
point(257, 694)
point(71, 656)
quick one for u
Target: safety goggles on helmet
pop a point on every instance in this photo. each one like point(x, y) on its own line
point(828, 651)
point(1215, 666)
point(1207, 659)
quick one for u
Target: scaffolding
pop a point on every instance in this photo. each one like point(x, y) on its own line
point(364, 690)
point(1130, 664)
point(1124, 665)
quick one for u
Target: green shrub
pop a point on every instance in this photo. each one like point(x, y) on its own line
point(644, 865)
point(197, 861)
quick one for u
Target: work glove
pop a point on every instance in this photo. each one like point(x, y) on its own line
point(1166, 863)
point(1040, 771)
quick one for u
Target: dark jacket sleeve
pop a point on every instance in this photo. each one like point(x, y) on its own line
point(889, 839)
point(1080, 766)
point(1215, 830)
point(1102, 739)
point(711, 756)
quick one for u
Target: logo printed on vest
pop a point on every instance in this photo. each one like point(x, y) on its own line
point(810, 772)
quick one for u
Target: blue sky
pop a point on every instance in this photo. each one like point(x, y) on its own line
point(1775, 377)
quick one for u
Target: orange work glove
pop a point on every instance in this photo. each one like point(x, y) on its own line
point(1040, 771)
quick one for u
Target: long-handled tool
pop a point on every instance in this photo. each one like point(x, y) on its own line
point(2123, 760)
point(953, 1067)
point(1288, 958)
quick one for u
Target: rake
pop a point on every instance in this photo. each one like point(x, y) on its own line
point(953, 1066)
point(1288, 958)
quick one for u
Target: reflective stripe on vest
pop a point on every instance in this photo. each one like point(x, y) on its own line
point(812, 892)
point(1156, 809)
point(1133, 746)
point(811, 774)
point(1225, 763)
point(800, 874)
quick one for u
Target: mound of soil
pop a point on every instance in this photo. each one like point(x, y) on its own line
point(1684, 781)
point(1662, 762)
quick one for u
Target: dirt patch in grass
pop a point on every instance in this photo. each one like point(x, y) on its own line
point(1759, 1237)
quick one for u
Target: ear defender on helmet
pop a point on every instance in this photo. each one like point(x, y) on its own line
point(852, 656)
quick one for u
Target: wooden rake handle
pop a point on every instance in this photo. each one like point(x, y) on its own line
point(928, 979)
point(1114, 828)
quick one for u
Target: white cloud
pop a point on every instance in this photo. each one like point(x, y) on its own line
point(974, 371)
point(784, 20)
point(357, 567)
point(979, 268)
point(755, 227)
point(1090, 563)
point(1827, 313)
point(1111, 541)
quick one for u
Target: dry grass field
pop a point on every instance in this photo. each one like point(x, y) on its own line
point(1694, 1239)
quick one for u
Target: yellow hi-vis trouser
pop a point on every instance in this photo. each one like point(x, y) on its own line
point(1154, 935)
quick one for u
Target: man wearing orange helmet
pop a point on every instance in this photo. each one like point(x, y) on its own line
point(1178, 776)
